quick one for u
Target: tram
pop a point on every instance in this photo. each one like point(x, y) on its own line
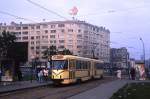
point(68, 69)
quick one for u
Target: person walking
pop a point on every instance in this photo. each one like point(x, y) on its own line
point(119, 74)
point(132, 73)
point(40, 76)
point(45, 74)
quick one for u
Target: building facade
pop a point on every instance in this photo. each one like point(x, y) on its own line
point(119, 57)
point(82, 38)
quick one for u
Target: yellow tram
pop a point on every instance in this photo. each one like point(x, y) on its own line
point(68, 69)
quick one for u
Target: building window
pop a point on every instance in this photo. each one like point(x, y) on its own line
point(54, 41)
point(79, 36)
point(45, 26)
point(32, 27)
point(52, 36)
point(79, 30)
point(53, 31)
point(32, 48)
point(25, 33)
point(32, 43)
point(61, 25)
point(52, 26)
point(38, 27)
point(79, 41)
point(70, 30)
point(70, 46)
point(61, 47)
point(44, 47)
point(37, 52)
point(18, 28)
point(37, 47)
point(70, 41)
point(37, 42)
point(45, 37)
point(32, 37)
point(79, 46)
point(10, 27)
point(61, 41)
point(37, 37)
point(62, 30)
point(46, 31)
point(38, 32)
point(17, 33)
point(18, 38)
point(24, 28)
point(51, 41)
point(25, 38)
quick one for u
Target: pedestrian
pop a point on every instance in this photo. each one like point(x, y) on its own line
point(137, 74)
point(132, 73)
point(119, 73)
point(45, 71)
point(40, 76)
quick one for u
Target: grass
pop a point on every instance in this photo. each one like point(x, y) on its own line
point(133, 91)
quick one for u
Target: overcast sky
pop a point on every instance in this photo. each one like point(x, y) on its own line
point(128, 20)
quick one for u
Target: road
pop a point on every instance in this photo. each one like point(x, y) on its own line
point(54, 92)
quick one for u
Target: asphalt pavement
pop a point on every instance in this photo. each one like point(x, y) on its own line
point(103, 91)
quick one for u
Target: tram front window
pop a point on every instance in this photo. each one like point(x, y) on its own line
point(60, 64)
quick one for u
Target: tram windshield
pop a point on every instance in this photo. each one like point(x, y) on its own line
point(60, 64)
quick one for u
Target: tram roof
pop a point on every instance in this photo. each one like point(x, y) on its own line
point(73, 57)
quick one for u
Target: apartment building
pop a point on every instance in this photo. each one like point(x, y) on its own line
point(119, 57)
point(79, 37)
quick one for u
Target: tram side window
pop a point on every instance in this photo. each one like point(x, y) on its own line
point(71, 64)
point(82, 65)
point(102, 65)
point(99, 65)
point(88, 65)
point(78, 64)
point(85, 65)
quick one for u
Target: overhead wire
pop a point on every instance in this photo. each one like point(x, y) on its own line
point(17, 17)
point(111, 11)
point(48, 10)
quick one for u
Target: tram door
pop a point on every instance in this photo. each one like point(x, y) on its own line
point(72, 68)
point(92, 69)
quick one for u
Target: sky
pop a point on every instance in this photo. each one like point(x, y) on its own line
point(127, 20)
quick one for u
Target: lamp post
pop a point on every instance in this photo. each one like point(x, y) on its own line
point(143, 51)
point(32, 63)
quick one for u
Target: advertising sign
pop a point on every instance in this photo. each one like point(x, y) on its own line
point(141, 70)
point(6, 78)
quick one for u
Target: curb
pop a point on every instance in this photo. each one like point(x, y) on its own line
point(23, 88)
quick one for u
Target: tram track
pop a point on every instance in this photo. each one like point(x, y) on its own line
point(50, 92)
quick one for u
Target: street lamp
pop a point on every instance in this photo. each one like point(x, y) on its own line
point(143, 51)
point(32, 63)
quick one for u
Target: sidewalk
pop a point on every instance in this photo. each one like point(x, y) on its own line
point(13, 86)
point(104, 91)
